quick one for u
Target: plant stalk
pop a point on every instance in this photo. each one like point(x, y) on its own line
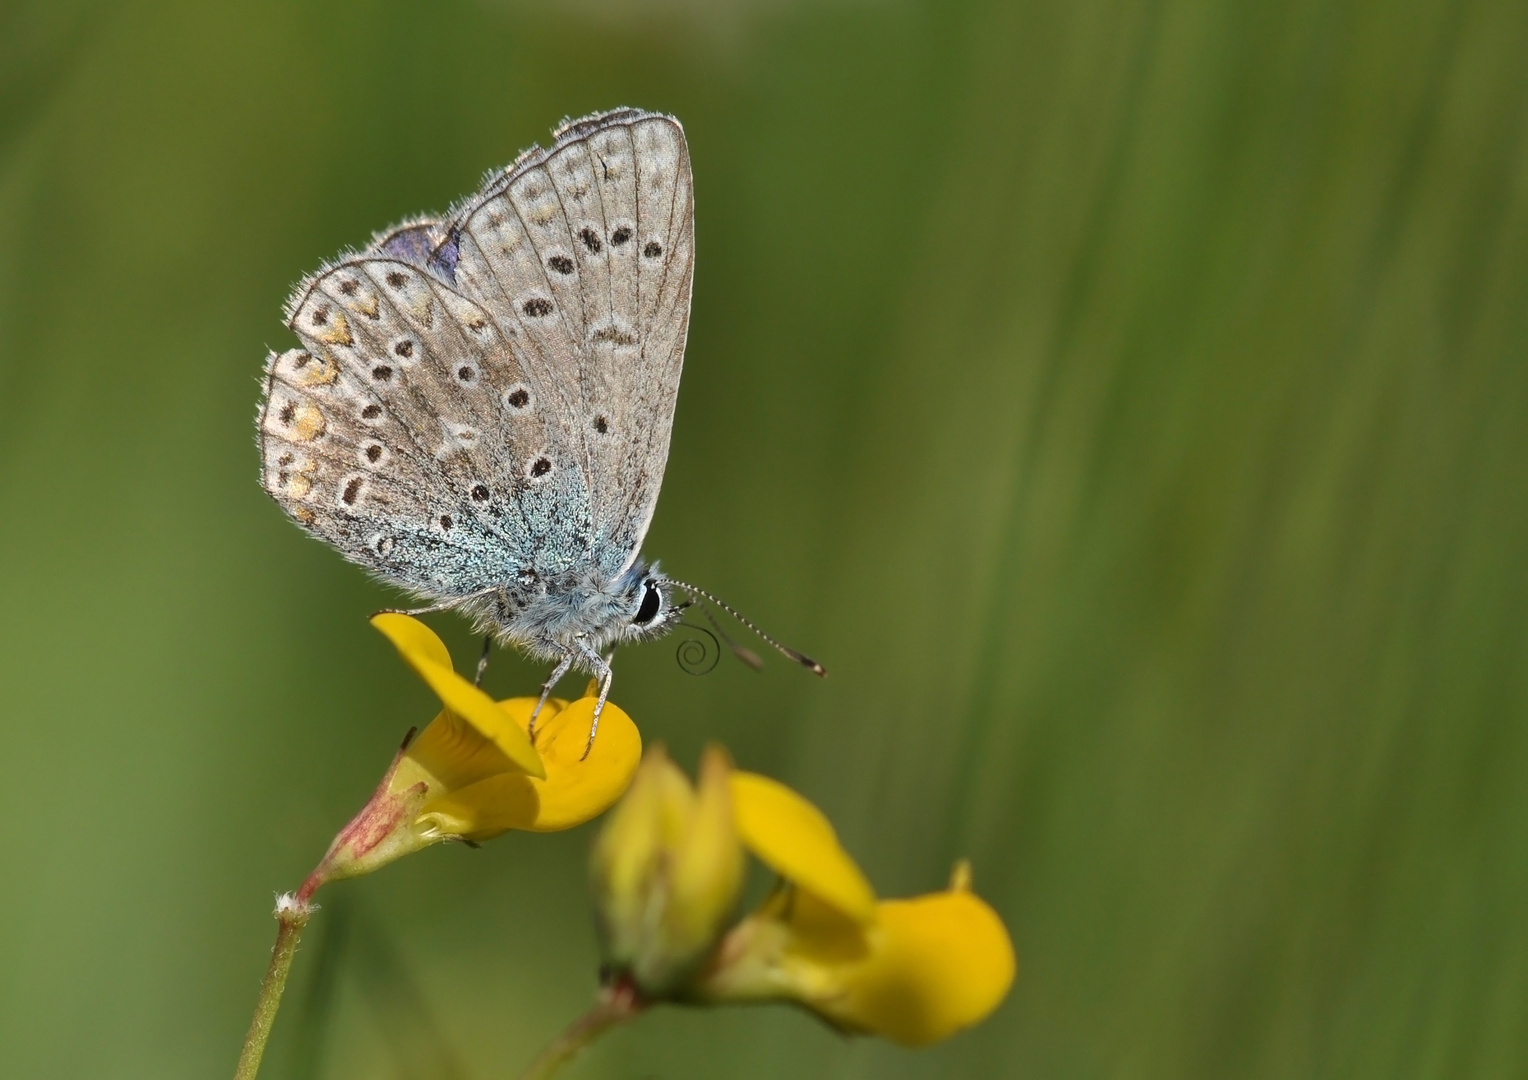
point(292, 913)
point(617, 1004)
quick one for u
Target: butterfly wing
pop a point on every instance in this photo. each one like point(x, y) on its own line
point(485, 401)
point(405, 433)
point(585, 251)
point(637, 381)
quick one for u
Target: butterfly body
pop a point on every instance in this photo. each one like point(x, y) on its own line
point(480, 409)
point(566, 615)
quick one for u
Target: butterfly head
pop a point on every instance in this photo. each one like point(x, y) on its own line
point(650, 606)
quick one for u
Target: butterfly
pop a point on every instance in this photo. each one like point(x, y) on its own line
point(479, 412)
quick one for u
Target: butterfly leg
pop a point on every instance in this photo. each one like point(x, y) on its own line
point(477, 680)
point(601, 667)
point(546, 691)
point(443, 605)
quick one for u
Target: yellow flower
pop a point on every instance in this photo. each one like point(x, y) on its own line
point(473, 772)
point(912, 971)
point(667, 869)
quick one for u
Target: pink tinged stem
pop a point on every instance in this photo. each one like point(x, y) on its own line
point(383, 813)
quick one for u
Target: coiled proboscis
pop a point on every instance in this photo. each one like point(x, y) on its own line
point(694, 655)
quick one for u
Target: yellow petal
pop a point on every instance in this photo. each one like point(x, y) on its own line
point(578, 788)
point(573, 790)
point(707, 866)
point(451, 754)
point(631, 841)
point(920, 971)
point(797, 841)
point(939, 963)
point(425, 653)
point(412, 637)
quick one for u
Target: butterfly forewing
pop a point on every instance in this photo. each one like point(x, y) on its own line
point(665, 257)
point(584, 252)
point(412, 448)
point(632, 231)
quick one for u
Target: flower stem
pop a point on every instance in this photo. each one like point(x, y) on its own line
point(616, 1005)
point(292, 914)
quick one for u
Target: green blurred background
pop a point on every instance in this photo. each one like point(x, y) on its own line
point(1126, 399)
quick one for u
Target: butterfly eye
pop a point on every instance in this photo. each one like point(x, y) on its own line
point(651, 601)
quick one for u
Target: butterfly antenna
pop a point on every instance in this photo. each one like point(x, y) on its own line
point(784, 650)
point(747, 656)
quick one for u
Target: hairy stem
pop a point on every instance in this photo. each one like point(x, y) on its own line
point(292, 914)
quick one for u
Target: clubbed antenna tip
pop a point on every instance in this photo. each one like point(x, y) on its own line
point(745, 655)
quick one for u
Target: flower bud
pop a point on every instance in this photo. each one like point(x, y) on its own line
point(667, 868)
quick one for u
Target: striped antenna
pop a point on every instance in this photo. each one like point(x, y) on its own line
point(784, 650)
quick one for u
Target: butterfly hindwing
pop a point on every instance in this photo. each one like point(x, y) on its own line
point(420, 449)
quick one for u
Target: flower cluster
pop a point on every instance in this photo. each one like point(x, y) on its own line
point(667, 873)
